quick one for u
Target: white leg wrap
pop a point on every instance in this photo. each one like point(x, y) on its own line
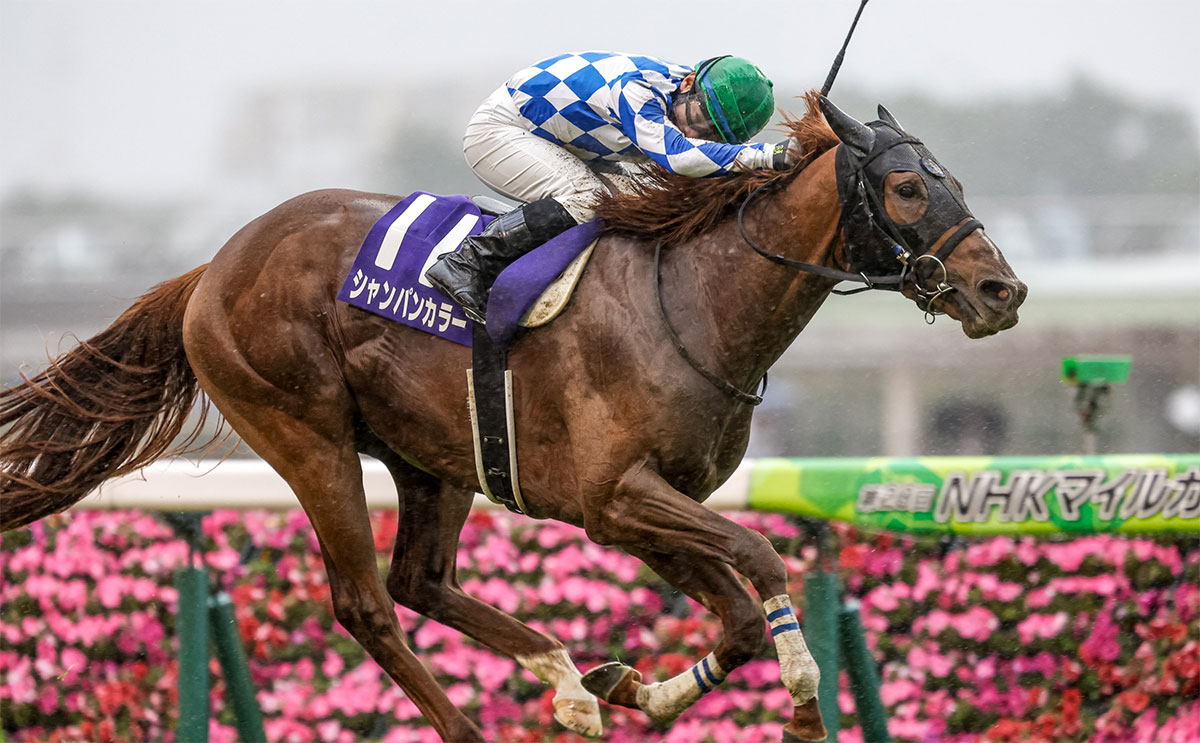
point(797, 668)
point(574, 706)
point(667, 700)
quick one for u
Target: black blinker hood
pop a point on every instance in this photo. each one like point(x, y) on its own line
point(871, 236)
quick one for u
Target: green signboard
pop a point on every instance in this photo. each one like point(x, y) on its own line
point(1140, 493)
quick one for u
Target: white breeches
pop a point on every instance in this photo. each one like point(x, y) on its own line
point(518, 164)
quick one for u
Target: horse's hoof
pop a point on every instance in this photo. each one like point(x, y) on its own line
point(790, 737)
point(806, 725)
point(615, 683)
point(579, 715)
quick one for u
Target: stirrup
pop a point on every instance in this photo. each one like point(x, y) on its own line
point(472, 314)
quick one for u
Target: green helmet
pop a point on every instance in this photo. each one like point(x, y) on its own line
point(737, 96)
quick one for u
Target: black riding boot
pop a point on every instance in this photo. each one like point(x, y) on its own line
point(466, 275)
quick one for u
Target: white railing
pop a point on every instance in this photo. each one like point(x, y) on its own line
point(180, 485)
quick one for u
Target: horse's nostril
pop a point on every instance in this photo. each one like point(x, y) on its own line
point(997, 293)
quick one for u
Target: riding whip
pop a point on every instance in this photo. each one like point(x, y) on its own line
point(837, 62)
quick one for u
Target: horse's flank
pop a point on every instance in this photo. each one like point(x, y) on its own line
point(675, 209)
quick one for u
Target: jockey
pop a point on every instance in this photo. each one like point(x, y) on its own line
point(559, 132)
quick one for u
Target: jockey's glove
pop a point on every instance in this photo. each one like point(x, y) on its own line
point(785, 154)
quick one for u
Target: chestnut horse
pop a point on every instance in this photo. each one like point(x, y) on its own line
point(632, 406)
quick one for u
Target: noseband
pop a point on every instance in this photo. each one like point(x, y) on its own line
point(881, 253)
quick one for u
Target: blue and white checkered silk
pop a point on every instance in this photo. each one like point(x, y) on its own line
point(611, 106)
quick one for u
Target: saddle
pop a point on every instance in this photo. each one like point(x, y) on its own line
point(553, 297)
point(535, 288)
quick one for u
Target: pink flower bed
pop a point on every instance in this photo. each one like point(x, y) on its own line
point(1096, 639)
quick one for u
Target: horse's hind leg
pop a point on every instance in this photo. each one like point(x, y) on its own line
point(317, 458)
point(423, 578)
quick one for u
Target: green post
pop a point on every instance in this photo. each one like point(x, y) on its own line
point(240, 692)
point(1093, 377)
point(864, 675)
point(821, 633)
point(192, 628)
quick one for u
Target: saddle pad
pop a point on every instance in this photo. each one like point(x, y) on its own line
point(554, 299)
point(388, 275)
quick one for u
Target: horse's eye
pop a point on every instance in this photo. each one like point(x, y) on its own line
point(907, 191)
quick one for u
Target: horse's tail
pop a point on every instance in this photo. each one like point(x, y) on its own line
point(110, 406)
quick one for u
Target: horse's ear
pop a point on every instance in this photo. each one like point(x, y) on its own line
point(854, 134)
point(886, 116)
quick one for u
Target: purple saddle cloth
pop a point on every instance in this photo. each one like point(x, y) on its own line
point(522, 283)
point(387, 275)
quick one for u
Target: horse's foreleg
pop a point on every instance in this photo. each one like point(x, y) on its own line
point(797, 669)
point(643, 509)
point(423, 578)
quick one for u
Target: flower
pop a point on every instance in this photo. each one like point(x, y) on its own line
point(1005, 639)
point(1041, 626)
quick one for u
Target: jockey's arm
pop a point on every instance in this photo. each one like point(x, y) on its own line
point(644, 119)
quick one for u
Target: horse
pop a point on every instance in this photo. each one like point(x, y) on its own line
point(632, 406)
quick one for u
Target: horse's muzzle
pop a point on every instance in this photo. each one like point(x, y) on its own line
point(987, 307)
point(1001, 295)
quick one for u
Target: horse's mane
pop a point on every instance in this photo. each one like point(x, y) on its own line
point(675, 208)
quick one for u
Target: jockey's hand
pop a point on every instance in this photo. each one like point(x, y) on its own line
point(785, 154)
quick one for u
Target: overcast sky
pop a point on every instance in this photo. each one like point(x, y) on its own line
point(133, 95)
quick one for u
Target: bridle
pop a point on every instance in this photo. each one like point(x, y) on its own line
point(874, 243)
point(881, 254)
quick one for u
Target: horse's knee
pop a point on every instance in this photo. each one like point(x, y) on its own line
point(359, 612)
point(407, 593)
point(400, 587)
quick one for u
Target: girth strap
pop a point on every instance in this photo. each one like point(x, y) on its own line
point(493, 426)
